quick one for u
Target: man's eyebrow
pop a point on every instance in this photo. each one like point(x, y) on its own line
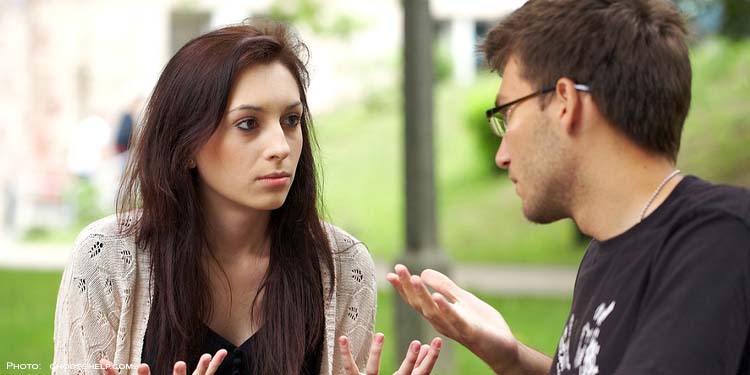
point(259, 108)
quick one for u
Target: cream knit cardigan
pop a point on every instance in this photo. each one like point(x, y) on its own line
point(105, 295)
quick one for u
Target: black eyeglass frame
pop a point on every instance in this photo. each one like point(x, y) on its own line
point(498, 126)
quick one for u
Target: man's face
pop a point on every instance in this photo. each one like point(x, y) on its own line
point(532, 152)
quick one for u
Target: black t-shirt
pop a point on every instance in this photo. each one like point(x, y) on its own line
point(669, 296)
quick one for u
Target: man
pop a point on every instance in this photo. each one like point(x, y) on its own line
point(590, 110)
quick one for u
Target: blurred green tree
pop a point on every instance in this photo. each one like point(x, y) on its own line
point(736, 17)
point(728, 17)
point(312, 14)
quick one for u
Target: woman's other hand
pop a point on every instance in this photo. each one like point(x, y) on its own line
point(207, 365)
point(419, 358)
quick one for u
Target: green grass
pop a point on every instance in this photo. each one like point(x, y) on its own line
point(27, 314)
point(27, 318)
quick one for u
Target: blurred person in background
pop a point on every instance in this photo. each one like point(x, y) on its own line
point(128, 120)
point(217, 261)
point(590, 110)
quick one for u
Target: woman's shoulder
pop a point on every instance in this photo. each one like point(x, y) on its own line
point(350, 253)
point(340, 239)
point(343, 243)
point(106, 243)
point(112, 226)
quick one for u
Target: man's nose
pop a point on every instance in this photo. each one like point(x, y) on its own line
point(502, 157)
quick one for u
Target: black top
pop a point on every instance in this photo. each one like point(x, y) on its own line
point(239, 359)
point(669, 296)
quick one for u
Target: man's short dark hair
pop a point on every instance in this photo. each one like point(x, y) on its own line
point(632, 53)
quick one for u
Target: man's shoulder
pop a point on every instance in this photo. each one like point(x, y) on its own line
point(706, 224)
point(699, 200)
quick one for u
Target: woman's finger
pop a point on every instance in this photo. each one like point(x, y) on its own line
point(143, 369)
point(180, 368)
point(203, 362)
point(108, 367)
point(428, 362)
point(376, 348)
point(213, 366)
point(350, 367)
point(410, 359)
point(423, 350)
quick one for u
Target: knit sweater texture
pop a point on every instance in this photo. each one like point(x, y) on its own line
point(104, 301)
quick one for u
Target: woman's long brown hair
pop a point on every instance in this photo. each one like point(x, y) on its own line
point(185, 108)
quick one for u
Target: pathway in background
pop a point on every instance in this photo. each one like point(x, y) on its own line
point(503, 280)
point(506, 280)
point(32, 256)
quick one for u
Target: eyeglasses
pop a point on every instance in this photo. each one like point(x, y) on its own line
point(498, 116)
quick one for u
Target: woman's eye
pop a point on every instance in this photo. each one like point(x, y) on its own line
point(247, 124)
point(291, 120)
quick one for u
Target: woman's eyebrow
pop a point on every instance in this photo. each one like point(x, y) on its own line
point(259, 108)
point(246, 107)
point(295, 104)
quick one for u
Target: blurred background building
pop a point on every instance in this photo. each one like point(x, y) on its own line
point(72, 68)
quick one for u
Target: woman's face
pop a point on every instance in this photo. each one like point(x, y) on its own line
point(250, 160)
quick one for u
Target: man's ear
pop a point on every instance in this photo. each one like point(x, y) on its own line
point(569, 110)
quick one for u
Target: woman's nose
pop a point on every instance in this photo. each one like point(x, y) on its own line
point(277, 146)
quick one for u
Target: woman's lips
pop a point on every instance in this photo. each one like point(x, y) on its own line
point(275, 179)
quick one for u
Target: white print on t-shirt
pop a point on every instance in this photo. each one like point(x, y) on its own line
point(563, 348)
point(588, 343)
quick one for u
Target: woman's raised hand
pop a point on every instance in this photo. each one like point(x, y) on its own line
point(419, 358)
point(207, 365)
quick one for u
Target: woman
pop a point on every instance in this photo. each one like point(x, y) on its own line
point(217, 247)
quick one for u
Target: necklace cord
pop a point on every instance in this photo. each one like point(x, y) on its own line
point(656, 192)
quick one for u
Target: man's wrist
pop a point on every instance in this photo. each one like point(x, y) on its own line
point(525, 361)
point(501, 361)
